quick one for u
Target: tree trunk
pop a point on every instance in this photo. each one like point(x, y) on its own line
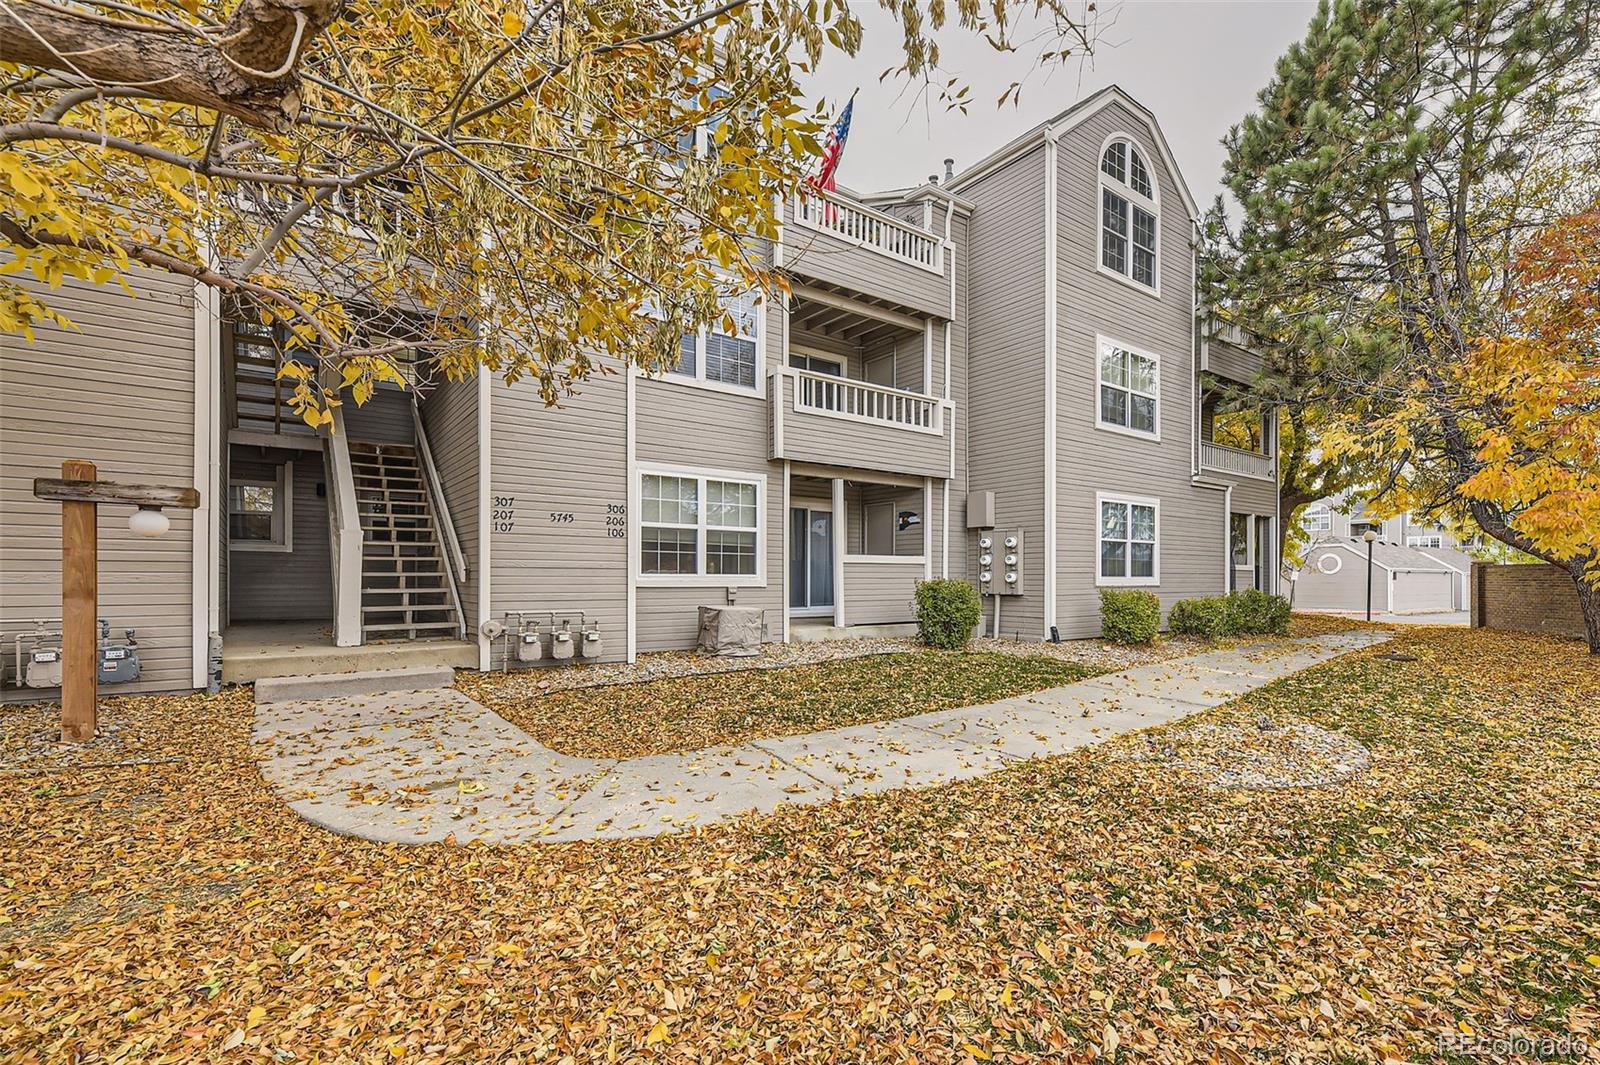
point(1589, 603)
point(251, 73)
point(1491, 521)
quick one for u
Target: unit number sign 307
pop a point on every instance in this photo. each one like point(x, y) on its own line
point(503, 517)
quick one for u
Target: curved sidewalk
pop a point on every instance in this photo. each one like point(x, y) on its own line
point(427, 766)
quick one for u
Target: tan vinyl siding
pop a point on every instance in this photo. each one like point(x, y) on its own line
point(682, 425)
point(565, 460)
point(1090, 460)
point(1006, 367)
point(450, 419)
point(119, 392)
point(292, 585)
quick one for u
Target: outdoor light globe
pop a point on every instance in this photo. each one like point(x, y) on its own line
point(1369, 536)
point(148, 522)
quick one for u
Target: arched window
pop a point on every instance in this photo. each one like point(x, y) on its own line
point(1129, 213)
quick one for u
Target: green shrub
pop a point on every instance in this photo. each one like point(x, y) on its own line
point(1255, 613)
point(1129, 615)
point(1206, 616)
point(947, 611)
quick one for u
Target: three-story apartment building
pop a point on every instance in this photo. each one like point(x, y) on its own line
point(1014, 348)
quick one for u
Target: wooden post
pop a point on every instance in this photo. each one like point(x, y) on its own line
point(80, 621)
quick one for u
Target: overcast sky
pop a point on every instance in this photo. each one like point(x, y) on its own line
point(1196, 64)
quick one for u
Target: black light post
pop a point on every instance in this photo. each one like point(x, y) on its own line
point(1369, 536)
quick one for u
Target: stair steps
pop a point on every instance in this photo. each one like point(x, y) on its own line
point(405, 590)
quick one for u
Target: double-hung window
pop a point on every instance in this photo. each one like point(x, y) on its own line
point(1130, 389)
point(1129, 548)
point(1317, 519)
point(699, 528)
point(727, 351)
point(1129, 213)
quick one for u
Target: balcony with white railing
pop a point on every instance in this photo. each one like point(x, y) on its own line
point(849, 246)
point(870, 228)
point(838, 421)
point(1235, 462)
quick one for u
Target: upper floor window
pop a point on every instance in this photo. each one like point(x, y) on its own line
point(1130, 383)
point(1433, 540)
point(1317, 519)
point(725, 352)
point(1128, 214)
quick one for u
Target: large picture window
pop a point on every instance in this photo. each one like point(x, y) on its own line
point(699, 528)
point(1130, 389)
point(1128, 540)
point(727, 351)
point(1317, 519)
point(1129, 214)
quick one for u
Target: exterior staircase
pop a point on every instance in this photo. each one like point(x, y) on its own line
point(406, 593)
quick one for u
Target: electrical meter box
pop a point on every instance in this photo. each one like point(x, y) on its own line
point(999, 561)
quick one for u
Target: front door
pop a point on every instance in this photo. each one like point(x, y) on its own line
point(1241, 544)
point(810, 561)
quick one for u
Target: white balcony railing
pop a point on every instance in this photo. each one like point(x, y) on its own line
point(863, 401)
point(1225, 459)
point(860, 224)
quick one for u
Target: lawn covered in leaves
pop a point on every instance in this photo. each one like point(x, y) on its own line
point(687, 713)
point(1079, 908)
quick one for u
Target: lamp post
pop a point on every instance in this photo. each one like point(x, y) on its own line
point(1369, 536)
point(79, 494)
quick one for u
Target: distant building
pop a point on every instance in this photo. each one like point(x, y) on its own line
point(1418, 567)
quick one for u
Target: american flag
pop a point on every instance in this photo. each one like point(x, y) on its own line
point(833, 148)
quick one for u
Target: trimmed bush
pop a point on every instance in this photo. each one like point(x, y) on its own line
point(947, 612)
point(1206, 616)
point(1129, 615)
point(1255, 613)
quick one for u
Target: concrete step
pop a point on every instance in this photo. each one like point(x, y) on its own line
point(364, 682)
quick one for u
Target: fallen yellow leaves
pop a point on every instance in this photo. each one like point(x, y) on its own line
point(1062, 911)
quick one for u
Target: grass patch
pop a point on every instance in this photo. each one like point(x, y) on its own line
point(687, 713)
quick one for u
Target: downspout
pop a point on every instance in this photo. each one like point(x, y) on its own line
point(949, 329)
point(1052, 299)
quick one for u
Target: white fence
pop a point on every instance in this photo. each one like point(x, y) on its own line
point(1226, 459)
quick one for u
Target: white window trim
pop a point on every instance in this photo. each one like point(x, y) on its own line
point(698, 378)
point(1317, 518)
point(1416, 541)
point(1100, 580)
point(1338, 564)
point(841, 361)
point(283, 490)
point(703, 579)
point(1100, 341)
point(1152, 203)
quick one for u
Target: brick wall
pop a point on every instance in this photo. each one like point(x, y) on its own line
point(1532, 598)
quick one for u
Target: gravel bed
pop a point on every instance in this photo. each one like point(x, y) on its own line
point(660, 665)
point(1261, 755)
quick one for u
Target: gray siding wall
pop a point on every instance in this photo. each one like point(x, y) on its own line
point(1005, 421)
point(120, 393)
point(385, 418)
point(557, 461)
point(821, 256)
point(880, 593)
point(1192, 543)
point(292, 585)
point(1230, 361)
point(450, 418)
point(684, 425)
point(809, 436)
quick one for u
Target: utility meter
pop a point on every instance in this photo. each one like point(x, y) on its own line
point(1006, 577)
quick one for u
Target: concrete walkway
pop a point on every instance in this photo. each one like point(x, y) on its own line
point(420, 767)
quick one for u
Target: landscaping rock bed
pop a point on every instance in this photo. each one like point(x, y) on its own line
point(1256, 755)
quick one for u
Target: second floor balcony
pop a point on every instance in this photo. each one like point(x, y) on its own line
point(829, 420)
